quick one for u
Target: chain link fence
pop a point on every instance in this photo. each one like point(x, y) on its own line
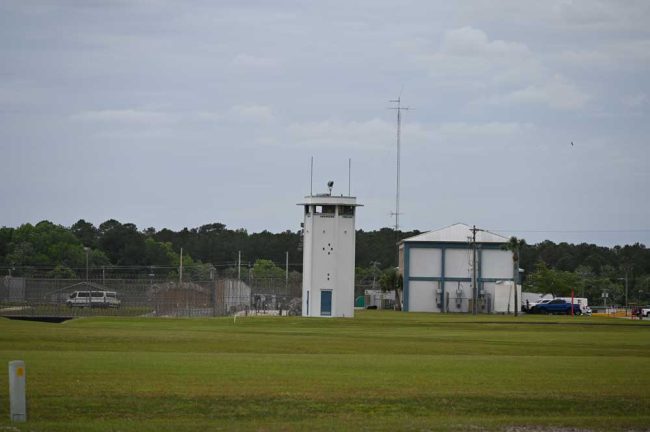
point(42, 297)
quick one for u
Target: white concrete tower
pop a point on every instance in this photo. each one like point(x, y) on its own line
point(328, 256)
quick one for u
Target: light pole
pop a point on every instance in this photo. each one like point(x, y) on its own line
point(375, 267)
point(626, 290)
point(90, 293)
point(625, 280)
point(151, 293)
point(86, 248)
point(286, 274)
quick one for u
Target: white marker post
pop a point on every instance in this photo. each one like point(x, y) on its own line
point(17, 402)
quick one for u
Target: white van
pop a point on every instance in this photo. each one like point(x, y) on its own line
point(93, 299)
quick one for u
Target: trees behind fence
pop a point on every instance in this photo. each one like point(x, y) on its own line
point(144, 296)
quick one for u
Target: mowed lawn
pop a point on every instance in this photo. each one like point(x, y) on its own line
point(382, 370)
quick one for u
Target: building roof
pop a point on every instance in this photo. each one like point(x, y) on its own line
point(457, 233)
point(327, 199)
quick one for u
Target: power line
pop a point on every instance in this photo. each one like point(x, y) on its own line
point(574, 231)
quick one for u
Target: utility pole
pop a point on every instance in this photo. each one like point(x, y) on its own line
point(180, 272)
point(625, 291)
point(628, 269)
point(474, 275)
point(516, 283)
point(286, 274)
point(514, 244)
point(180, 285)
point(86, 248)
point(239, 265)
point(625, 279)
point(375, 268)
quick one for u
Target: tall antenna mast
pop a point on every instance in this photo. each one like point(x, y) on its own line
point(399, 109)
point(311, 178)
point(349, 176)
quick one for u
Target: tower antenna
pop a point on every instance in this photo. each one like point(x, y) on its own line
point(349, 176)
point(399, 108)
point(311, 178)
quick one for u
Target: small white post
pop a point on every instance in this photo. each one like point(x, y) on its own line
point(17, 401)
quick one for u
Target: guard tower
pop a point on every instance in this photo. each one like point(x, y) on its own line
point(328, 255)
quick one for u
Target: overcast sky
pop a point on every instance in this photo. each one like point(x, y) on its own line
point(173, 114)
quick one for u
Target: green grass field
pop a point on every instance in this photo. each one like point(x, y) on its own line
point(380, 371)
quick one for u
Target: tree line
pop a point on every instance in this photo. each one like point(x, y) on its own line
point(46, 249)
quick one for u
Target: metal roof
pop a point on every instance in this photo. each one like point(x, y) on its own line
point(326, 199)
point(457, 233)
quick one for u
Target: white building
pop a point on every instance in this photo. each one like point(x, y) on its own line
point(437, 267)
point(328, 256)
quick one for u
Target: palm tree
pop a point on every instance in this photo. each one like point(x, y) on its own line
point(513, 245)
point(391, 279)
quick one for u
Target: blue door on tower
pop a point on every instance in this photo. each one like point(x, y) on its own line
point(326, 303)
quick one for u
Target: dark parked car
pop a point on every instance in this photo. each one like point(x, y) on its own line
point(556, 306)
point(641, 311)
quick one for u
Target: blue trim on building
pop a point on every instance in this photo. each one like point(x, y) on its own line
point(443, 252)
point(494, 279)
point(458, 279)
point(443, 246)
point(479, 264)
point(442, 279)
point(450, 245)
point(405, 300)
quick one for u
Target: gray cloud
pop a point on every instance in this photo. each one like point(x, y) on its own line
point(172, 114)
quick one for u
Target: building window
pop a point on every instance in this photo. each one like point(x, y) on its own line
point(327, 211)
point(346, 210)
